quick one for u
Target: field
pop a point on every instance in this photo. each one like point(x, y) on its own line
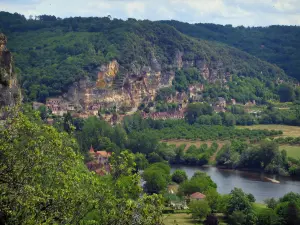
point(185, 219)
point(288, 131)
point(258, 207)
point(292, 151)
point(182, 219)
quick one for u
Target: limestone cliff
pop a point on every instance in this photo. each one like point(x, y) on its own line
point(127, 89)
point(9, 91)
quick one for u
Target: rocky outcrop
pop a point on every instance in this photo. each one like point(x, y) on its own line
point(127, 89)
point(9, 91)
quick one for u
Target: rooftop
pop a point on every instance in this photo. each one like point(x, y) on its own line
point(197, 195)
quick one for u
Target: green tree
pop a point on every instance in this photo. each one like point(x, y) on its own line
point(157, 177)
point(43, 112)
point(195, 110)
point(238, 201)
point(286, 93)
point(68, 123)
point(122, 164)
point(268, 217)
point(141, 161)
point(179, 176)
point(42, 180)
point(199, 209)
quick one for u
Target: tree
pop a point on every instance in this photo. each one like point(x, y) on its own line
point(271, 203)
point(238, 201)
point(43, 112)
point(179, 176)
point(238, 218)
point(213, 199)
point(211, 220)
point(199, 209)
point(41, 175)
point(157, 177)
point(141, 161)
point(68, 123)
point(268, 217)
point(43, 180)
point(286, 93)
point(251, 197)
point(122, 164)
point(195, 110)
point(200, 182)
point(154, 158)
point(229, 119)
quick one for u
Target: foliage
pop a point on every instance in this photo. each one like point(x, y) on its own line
point(252, 40)
point(179, 176)
point(199, 209)
point(53, 53)
point(44, 180)
point(200, 182)
point(141, 161)
point(239, 208)
point(265, 156)
point(157, 177)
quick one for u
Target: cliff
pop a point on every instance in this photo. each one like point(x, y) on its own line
point(9, 91)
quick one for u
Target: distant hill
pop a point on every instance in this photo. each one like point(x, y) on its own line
point(51, 53)
point(276, 44)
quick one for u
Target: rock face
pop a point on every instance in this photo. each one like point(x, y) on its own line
point(9, 91)
point(127, 89)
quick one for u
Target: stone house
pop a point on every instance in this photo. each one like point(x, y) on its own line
point(100, 162)
point(221, 102)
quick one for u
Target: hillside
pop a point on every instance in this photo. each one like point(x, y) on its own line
point(125, 63)
point(276, 44)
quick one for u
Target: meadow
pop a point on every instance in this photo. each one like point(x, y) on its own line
point(292, 151)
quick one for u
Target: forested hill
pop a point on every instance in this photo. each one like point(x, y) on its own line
point(276, 44)
point(52, 53)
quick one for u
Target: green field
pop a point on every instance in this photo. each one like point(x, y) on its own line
point(257, 207)
point(181, 218)
point(292, 151)
point(288, 131)
point(186, 219)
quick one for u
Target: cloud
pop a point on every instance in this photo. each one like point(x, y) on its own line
point(235, 12)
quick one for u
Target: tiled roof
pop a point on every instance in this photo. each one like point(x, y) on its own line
point(103, 153)
point(197, 195)
point(92, 150)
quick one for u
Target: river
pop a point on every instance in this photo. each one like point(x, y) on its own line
point(250, 182)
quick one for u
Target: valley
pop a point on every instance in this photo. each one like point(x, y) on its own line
point(129, 122)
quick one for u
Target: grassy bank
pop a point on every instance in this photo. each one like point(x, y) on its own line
point(292, 151)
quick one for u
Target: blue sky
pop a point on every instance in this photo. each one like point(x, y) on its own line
point(235, 12)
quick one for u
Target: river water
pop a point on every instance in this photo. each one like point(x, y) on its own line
point(250, 182)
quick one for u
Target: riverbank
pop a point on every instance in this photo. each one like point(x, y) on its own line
point(251, 182)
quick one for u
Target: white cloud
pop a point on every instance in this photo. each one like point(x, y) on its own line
point(135, 9)
point(236, 12)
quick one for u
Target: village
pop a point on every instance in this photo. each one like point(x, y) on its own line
point(59, 107)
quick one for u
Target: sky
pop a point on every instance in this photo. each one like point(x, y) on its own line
point(235, 12)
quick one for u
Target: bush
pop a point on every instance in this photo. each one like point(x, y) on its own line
point(179, 176)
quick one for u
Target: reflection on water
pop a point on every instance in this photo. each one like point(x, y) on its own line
point(250, 182)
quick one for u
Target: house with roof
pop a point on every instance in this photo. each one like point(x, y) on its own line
point(197, 196)
point(100, 161)
point(221, 102)
point(233, 101)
